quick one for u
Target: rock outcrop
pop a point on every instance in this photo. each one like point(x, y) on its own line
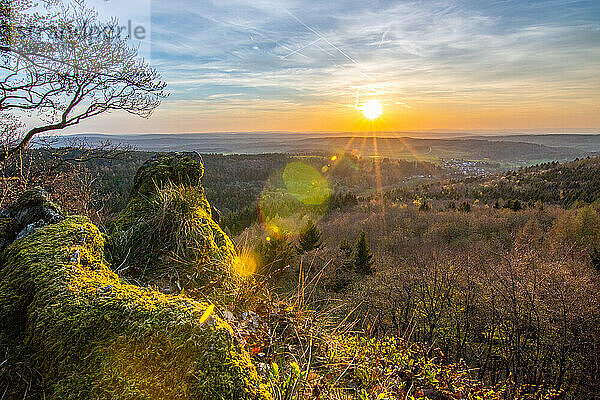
point(166, 235)
point(71, 328)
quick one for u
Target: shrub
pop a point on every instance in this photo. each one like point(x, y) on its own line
point(595, 258)
point(464, 207)
point(514, 205)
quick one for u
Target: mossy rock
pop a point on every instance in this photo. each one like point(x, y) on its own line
point(166, 235)
point(71, 329)
point(176, 168)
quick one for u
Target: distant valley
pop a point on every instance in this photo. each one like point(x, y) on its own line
point(507, 151)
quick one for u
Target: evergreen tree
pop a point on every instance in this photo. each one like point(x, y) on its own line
point(595, 257)
point(310, 238)
point(274, 254)
point(465, 207)
point(363, 262)
point(346, 249)
point(341, 278)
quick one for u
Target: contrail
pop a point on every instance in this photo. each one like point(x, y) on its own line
point(326, 40)
point(383, 37)
point(302, 48)
point(327, 52)
point(290, 50)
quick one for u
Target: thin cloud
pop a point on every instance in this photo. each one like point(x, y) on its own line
point(413, 54)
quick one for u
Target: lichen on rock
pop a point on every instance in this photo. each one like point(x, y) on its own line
point(166, 235)
point(71, 329)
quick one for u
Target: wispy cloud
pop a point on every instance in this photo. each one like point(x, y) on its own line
point(285, 55)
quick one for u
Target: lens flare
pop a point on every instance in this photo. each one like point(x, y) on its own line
point(305, 183)
point(289, 196)
point(207, 313)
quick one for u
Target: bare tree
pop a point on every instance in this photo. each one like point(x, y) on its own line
point(64, 65)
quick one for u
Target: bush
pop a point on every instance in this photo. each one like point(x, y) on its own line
point(464, 207)
point(514, 205)
point(595, 258)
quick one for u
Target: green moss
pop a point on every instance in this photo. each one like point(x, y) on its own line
point(166, 235)
point(86, 334)
point(177, 169)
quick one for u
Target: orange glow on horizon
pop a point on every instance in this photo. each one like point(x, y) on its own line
point(411, 117)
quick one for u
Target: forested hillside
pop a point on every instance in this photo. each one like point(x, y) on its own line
point(162, 306)
point(394, 278)
point(233, 183)
point(554, 183)
point(500, 271)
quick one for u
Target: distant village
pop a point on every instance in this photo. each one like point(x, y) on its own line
point(465, 167)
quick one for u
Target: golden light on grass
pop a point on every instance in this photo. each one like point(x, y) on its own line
point(372, 109)
point(245, 264)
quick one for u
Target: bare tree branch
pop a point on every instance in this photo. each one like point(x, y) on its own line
point(66, 66)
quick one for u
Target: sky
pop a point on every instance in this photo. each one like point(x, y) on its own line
point(297, 65)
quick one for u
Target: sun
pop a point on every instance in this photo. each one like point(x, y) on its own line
point(372, 109)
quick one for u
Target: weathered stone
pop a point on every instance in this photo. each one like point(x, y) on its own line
point(32, 211)
point(166, 235)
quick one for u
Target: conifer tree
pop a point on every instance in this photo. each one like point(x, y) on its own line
point(274, 254)
point(595, 257)
point(363, 262)
point(346, 249)
point(310, 238)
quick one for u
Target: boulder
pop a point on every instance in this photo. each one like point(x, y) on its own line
point(184, 168)
point(70, 328)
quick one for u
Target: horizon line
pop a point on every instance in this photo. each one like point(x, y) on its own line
point(468, 132)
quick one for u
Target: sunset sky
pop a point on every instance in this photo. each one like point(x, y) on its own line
point(291, 65)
